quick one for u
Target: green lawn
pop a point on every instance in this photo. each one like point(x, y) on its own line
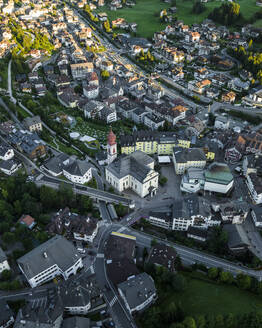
point(184, 10)
point(143, 13)
point(3, 73)
point(258, 23)
point(202, 297)
point(23, 113)
point(248, 8)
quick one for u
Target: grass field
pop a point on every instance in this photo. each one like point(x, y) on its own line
point(203, 297)
point(248, 8)
point(144, 13)
point(184, 10)
point(3, 73)
point(258, 23)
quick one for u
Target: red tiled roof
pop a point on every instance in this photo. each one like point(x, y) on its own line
point(27, 220)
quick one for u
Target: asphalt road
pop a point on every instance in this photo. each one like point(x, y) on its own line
point(83, 190)
point(194, 256)
point(119, 313)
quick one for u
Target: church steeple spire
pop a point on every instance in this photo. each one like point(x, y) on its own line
point(111, 147)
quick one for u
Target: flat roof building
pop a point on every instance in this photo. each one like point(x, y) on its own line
point(120, 246)
point(163, 255)
point(218, 178)
point(57, 256)
point(137, 292)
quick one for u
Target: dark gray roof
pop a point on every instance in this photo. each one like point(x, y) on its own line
point(105, 112)
point(29, 121)
point(55, 164)
point(64, 221)
point(26, 140)
point(146, 135)
point(138, 289)
point(187, 207)
point(56, 250)
point(184, 155)
point(76, 294)
point(197, 232)
point(258, 212)
point(161, 254)
point(101, 156)
point(3, 257)
point(92, 105)
point(164, 213)
point(76, 322)
point(4, 148)
point(119, 270)
point(257, 182)
point(134, 164)
point(40, 311)
point(107, 93)
point(78, 168)
point(118, 247)
point(236, 236)
point(234, 207)
point(5, 314)
point(140, 111)
point(142, 42)
point(7, 165)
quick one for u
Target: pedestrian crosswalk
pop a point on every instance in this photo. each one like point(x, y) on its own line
point(121, 229)
point(100, 255)
point(112, 302)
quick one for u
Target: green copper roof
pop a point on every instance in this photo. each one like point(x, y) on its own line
point(218, 173)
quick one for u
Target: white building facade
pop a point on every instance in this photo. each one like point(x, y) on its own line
point(56, 257)
point(3, 261)
point(78, 178)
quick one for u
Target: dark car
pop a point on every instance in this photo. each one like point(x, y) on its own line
point(109, 324)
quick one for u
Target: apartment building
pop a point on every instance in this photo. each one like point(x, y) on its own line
point(254, 184)
point(183, 159)
point(152, 142)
